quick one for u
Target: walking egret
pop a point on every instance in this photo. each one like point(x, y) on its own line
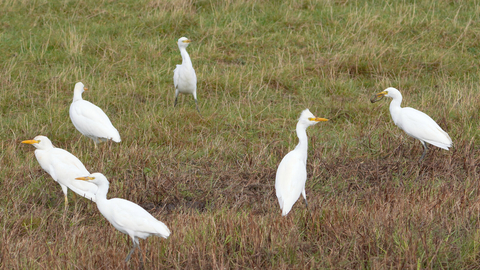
point(63, 167)
point(90, 120)
point(125, 216)
point(184, 77)
point(414, 122)
point(292, 171)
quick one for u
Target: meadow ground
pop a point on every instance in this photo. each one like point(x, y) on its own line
point(210, 178)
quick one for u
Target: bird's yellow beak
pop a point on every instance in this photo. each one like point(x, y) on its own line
point(30, 141)
point(187, 41)
point(318, 119)
point(85, 178)
point(85, 88)
point(378, 97)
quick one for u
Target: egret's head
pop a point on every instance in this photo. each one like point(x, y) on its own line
point(183, 42)
point(40, 142)
point(79, 87)
point(95, 178)
point(309, 119)
point(389, 92)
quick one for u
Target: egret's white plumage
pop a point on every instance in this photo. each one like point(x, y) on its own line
point(90, 120)
point(125, 216)
point(292, 171)
point(184, 77)
point(414, 122)
point(63, 167)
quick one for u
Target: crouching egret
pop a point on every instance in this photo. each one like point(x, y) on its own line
point(89, 119)
point(63, 167)
point(292, 171)
point(184, 77)
point(414, 122)
point(125, 216)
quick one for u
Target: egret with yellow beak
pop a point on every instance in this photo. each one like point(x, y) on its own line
point(414, 122)
point(292, 171)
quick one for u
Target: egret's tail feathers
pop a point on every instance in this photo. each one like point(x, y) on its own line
point(440, 145)
point(445, 143)
point(286, 209)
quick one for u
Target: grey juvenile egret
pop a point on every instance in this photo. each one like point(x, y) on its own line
point(414, 122)
point(184, 77)
point(292, 171)
point(90, 120)
point(63, 167)
point(125, 216)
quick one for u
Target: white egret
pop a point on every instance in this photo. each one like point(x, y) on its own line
point(63, 167)
point(89, 119)
point(125, 216)
point(184, 77)
point(414, 122)
point(292, 171)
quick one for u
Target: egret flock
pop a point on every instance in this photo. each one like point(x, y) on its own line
point(131, 219)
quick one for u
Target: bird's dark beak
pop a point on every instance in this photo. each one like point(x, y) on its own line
point(378, 97)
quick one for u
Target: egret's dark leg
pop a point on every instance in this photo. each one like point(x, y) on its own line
point(425, 148)
point(306, 204)
point(176, 96)
point(305, 197)
point(196, 105)
point(131, 251)
point(141, 254)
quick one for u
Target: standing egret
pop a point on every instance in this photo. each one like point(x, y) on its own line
point(292, 171)
point(63, 167)
point(125, 216)
point(90, 120)
point(414, 122)
point(184, 77)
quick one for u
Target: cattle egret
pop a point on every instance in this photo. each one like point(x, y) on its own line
point(292, 171)
point(414, 122)
point(63, 167)
point(90, 120)
point(184, 77)
point(125, 216)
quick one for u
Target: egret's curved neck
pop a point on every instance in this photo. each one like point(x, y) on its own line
point(77, 95)
point(395, 108)
point(46, 146)
point(102, 191)
point(302, 139)
point(185, 57)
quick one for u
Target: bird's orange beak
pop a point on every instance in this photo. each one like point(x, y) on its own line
point(85, 178)
point(30, 141)
point(318, 119)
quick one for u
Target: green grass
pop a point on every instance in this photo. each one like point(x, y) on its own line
point(210, 178)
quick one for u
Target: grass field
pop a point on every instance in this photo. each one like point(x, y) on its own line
point(210, 178)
